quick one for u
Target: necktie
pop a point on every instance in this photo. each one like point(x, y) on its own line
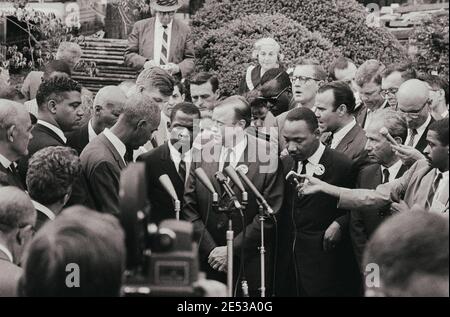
point(12, 169)
point(413, 133)
point(433, 190)
point(182, 169)
point(227, 159)
point(304, 163)
point(329, 140)
point(128, 157)
point(386, 176)
point(164, 60)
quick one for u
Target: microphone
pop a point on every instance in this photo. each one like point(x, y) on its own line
point(231, 173)
point(255, 191)
point(224, 182)
point(384, 131)
point(203, 178)
point(168, 186)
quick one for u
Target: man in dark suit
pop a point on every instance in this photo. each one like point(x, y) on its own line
point(413, 101)
point(59, 102)
point(335, 103)
point(368, 82)
point(51, 174)
point(108, 105)
point(315, 252)
point(386, 166)
point(103, 159)
point(173, 159)
point(162, 41)
point(15, 134)
point(236, 149)
point(17, 219)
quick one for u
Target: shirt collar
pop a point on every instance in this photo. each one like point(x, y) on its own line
point(421, 129)
point(444, 114)
point(55, 129)
point(238, 149)
point(4, 161)
point(7, 252)
point(91, 131)
point(158, 25)
point(176, 155)
point(46, 211)
point(393, 170)
point(315, 158)
point(338, 136)
point(116, 142)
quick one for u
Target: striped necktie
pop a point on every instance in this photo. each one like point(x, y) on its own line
point(413, 137)
point(164, 60)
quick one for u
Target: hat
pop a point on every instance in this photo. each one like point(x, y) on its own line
point(165, 5)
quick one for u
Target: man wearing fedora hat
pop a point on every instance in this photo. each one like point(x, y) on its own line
point(161, 41)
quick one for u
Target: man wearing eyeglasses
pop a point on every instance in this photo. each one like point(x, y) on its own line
point(413, 102)
point(306, 79)
point(161, 41)
point(392, 78)
point(17, 220)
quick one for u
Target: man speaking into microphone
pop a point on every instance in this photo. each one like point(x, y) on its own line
point(315, 257)
point(253, 157)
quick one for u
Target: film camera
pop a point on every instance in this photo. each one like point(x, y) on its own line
point(161, 261)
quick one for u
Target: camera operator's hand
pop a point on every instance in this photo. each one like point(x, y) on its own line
point(218, 259)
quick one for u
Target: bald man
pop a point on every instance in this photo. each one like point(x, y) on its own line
point(108, 105)
point(15, 134)
point(413, 101)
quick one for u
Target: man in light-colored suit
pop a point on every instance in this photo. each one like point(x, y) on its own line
point(161, 41)
point(424, 187)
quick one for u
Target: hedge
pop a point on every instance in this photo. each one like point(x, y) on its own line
point(227, 51)
point(340, 21)
point(431, 40)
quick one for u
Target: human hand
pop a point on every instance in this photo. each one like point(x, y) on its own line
point(332, 236)
point(218, 259)
point(407, 154)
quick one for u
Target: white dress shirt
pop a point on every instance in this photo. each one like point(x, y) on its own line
point(116, 142)
point(55, 129)
point(420, 132)
point(7, 252)
point(175, 155)
point(338, 136)
point(313, 161)
point(440, 191)
point(5, 162)
point(91, 131)
point(159, 30)
point(236, 153)
point(393, 170)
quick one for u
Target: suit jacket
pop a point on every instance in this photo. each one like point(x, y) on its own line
point(413, 188)
point(12, 179)
point(42, 137)
point(279, 122)
point(422, 144)
point(101, 165)
point(141, 44)
point(212, 226)
point(363, 224)
point(159, 162)
point(79, 138)
point(9, 277)
point(360, 114)
point(304, 222)
point(353, 146)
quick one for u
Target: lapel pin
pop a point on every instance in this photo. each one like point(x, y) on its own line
point(319, 170)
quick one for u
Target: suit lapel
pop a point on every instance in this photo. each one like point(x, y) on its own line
point(347, 140)
point(113, 150)
point(49, 132)
point(169, 167)
point(422, 144)
point(173, 41)
point(149, 37)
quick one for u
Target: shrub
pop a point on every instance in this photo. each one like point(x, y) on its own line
point(340, 21)
point(431, 40)
point(227, 51)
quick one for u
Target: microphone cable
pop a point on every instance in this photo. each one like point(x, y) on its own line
point(275, 254)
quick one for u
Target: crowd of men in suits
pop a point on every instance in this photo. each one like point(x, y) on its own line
point(367, 146)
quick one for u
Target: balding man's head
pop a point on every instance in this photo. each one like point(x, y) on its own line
point(15, 130)
point(17, 219)
point(108, 105)
point(142, 116)
point(413, 98)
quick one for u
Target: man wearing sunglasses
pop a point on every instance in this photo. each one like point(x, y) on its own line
point(161, 41)
point(17, 220)
point(392, 78)
point(413, 102)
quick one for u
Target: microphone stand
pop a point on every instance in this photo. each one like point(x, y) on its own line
point(232, 205)
point(262, 252)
